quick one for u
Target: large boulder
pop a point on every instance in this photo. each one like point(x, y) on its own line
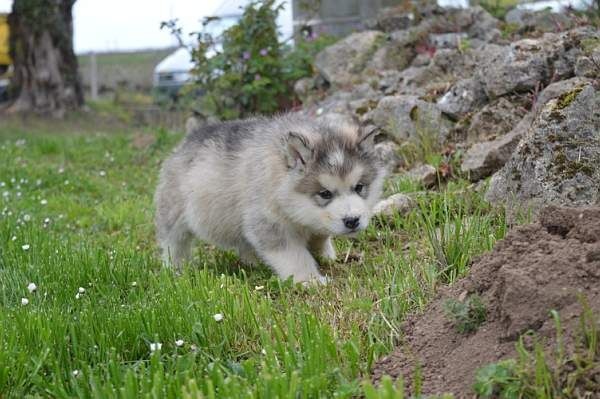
point(527, 64)
point(408, 117)
point(558, 160)
point(342, 63)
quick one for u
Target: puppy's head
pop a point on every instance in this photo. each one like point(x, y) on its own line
point(333, 179)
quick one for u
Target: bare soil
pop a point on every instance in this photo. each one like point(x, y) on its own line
point(537, 268)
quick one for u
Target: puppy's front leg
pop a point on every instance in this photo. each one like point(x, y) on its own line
point(323, 246)
point(294, 260)
point(281, 248)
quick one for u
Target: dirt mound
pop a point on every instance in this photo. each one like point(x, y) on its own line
point(536, 268)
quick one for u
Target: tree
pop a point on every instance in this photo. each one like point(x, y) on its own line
point(46, 78)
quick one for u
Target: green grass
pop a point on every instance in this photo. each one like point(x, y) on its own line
point(76, 211)
point(130, 68)
point(546, 374)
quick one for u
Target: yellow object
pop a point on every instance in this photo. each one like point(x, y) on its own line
point(4, 55)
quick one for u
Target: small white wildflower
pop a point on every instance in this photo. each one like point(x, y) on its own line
point(77, 296)
point(31, 287)
point(66, 182)
point(2, 184)
point(38, 182)
point(24, 301)
point(5, 194)
point(179, 343)
point(263, 351)
point(20, 142)
point(14, 238)
point(193, 348)
point(76, 373)
point(26, 218)
point(19, 194)
point(46, 220)
point(61, 170)
point(222, 286)
point(102, 173)
point(259, 288)
point(155, 346)
point(44, 202)
point(81, 290)
point(218, 317)
point(12, 180)
point(134, 283)
point(25, 247)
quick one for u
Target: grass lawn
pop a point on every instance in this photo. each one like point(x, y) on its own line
point(105, 320)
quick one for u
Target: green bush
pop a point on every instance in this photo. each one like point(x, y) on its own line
point(246, 70)
point(467, 315)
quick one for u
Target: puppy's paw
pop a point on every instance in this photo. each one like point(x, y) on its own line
point(316, 280)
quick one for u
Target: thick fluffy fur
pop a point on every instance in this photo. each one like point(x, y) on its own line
point(259, 186)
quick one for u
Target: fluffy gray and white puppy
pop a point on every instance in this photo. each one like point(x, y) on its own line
point(273, 189)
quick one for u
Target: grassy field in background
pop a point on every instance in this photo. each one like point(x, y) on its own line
point(105, 320)
point(129, 69)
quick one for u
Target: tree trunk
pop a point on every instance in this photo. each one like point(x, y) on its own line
point(46, 79)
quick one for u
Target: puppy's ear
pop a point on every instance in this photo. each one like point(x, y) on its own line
point(298, 150)
point(366, 140)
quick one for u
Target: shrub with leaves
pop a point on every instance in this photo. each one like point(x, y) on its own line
point(466, 315)
point(246, 70)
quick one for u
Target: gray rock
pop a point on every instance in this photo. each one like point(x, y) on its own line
point(387, 152)
point(558, 160)
point(397, 52)
point(494, 120)
point(557, 89)
point(519, 67)
point(539, 21)
point(342, 63)
point(397, 203)
point(483, 159)
point(447, 40)
point(303, 86)
point(407, 117)
point(390, 19)
point(480, 24)
point(424, 174)
point(464, 97)
point(588, 65)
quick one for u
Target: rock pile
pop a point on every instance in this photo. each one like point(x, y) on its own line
point(519, 96)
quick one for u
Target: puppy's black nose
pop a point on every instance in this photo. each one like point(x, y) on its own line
point(351, 223)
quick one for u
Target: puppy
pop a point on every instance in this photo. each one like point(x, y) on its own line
point(275, 190)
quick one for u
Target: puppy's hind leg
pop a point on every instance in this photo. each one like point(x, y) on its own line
point(176, 245)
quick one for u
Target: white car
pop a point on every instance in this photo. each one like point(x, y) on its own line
point(172, 73)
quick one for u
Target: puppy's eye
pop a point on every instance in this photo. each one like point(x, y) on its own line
point(326, 194)
point(359, 188)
